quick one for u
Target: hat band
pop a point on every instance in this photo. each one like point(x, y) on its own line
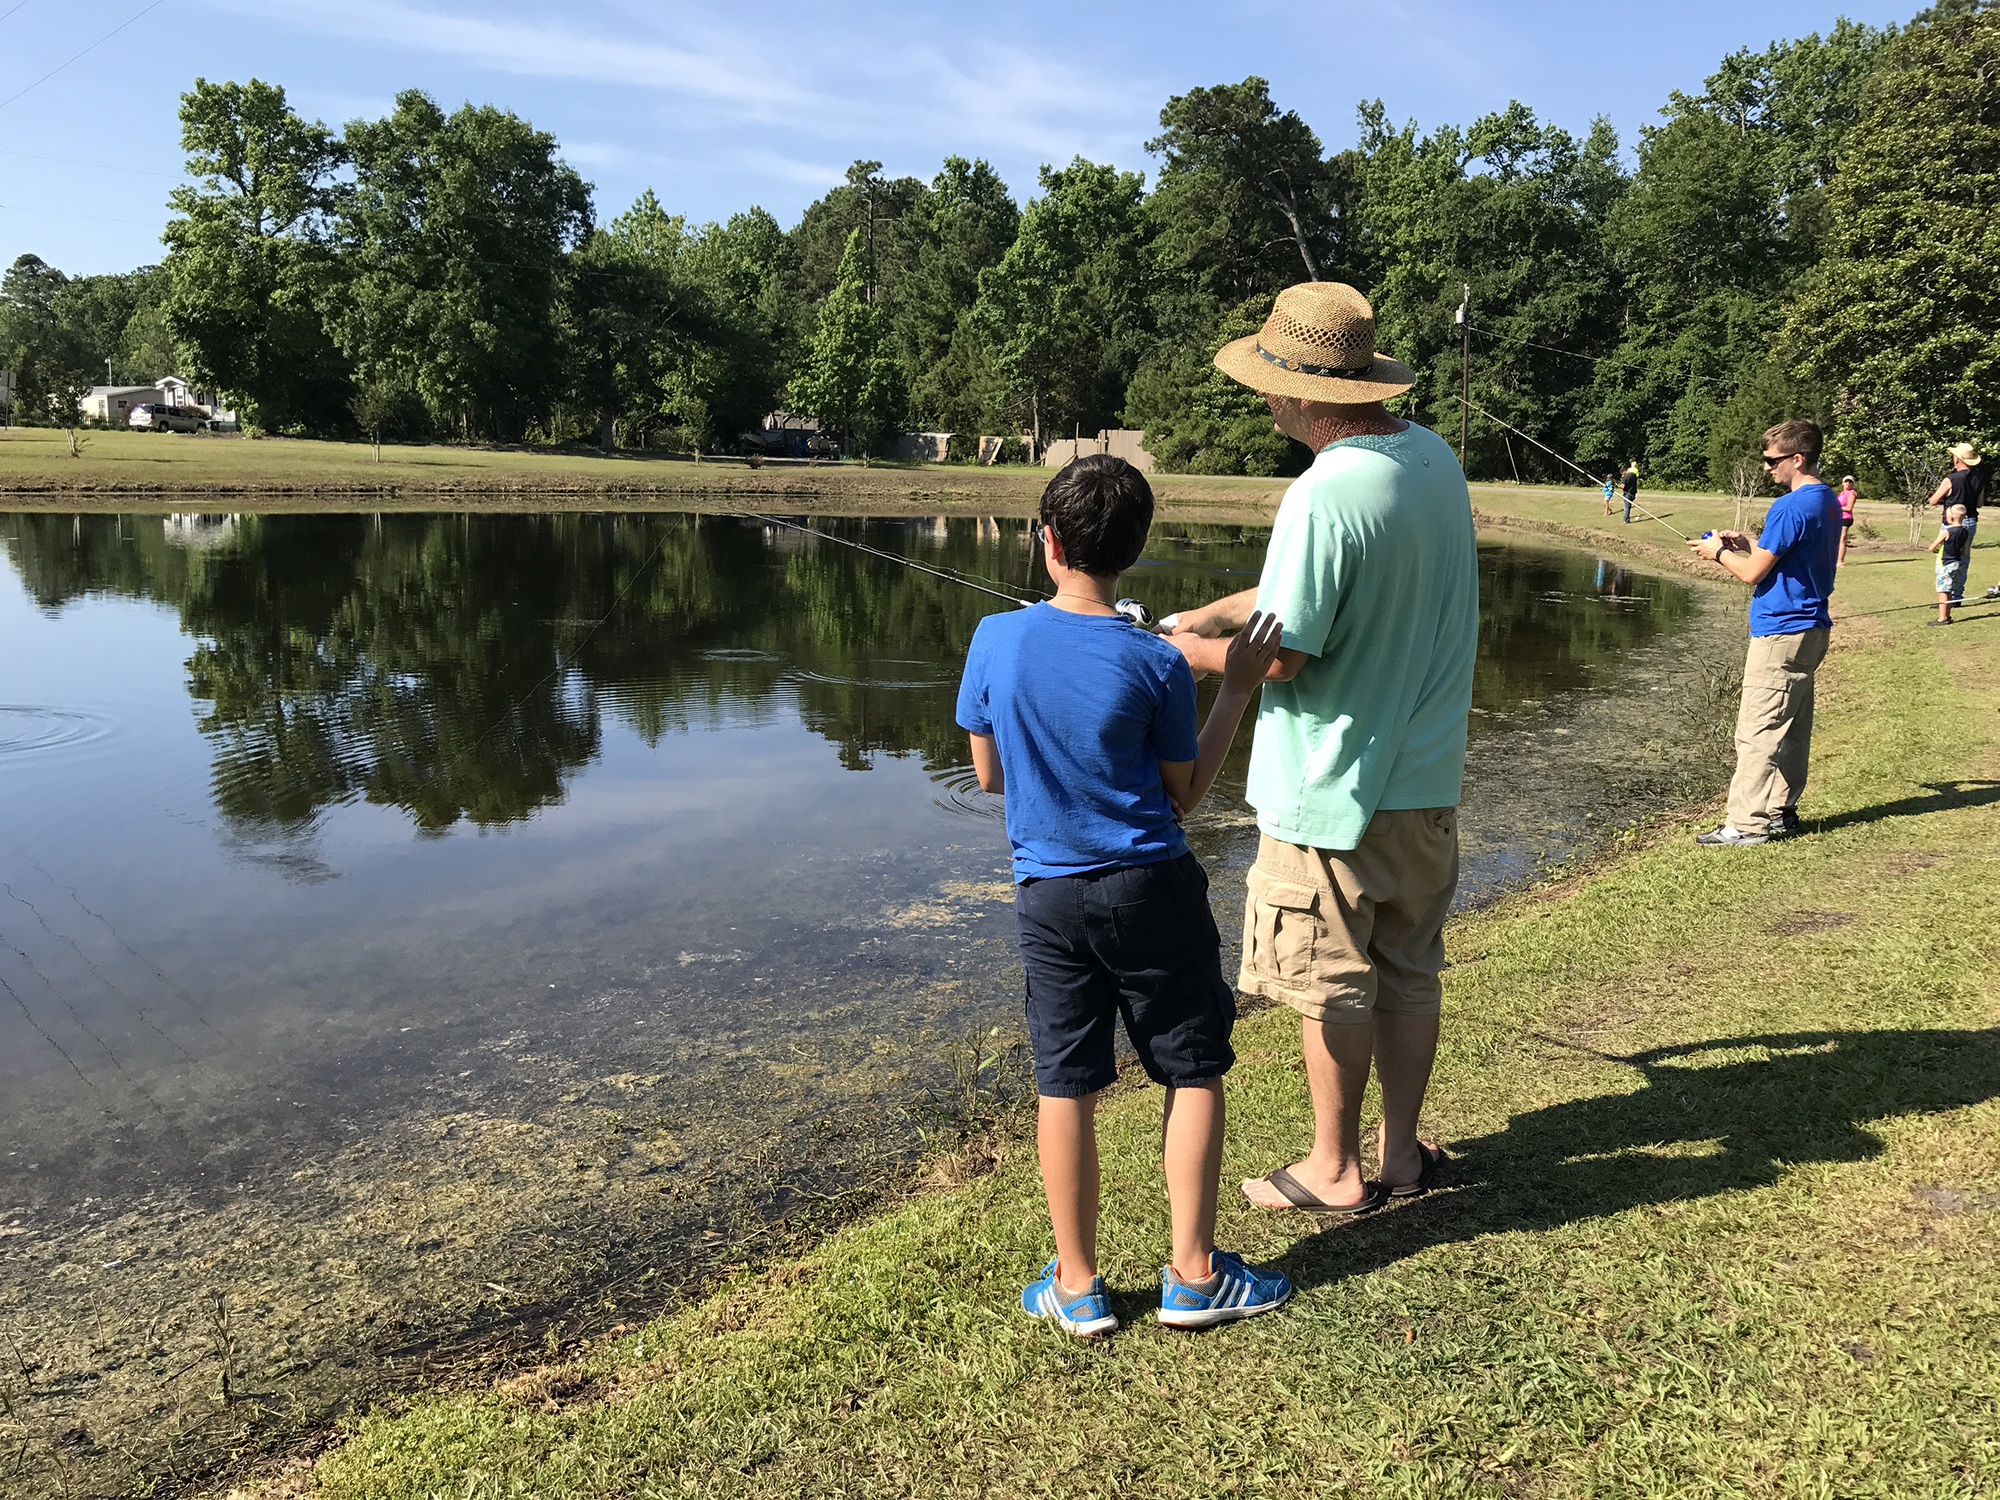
point(1299, 366)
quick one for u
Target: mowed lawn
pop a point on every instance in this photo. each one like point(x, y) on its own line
point(1723, 1216)
point(169, 471)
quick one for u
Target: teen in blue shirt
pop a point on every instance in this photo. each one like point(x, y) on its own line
point(1790, 568)
point(1086, 723)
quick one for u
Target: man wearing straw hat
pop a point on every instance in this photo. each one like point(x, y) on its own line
point(1964, 485)
point(1359, 753)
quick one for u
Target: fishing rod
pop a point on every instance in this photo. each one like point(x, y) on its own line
point(1576, 466)
point(1131, 609)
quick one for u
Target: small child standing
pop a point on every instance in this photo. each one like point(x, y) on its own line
point(1086, 723)
point(1846, 498)
point(1954, 549)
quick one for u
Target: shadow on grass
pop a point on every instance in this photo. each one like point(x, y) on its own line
point(1699, 1124)
point(1944, 796)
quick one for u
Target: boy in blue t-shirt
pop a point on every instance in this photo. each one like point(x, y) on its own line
point(1087, 723)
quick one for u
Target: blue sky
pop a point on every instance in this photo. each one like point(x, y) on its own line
point(717, 106)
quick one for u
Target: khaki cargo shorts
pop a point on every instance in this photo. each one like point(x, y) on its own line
point(1338, 934)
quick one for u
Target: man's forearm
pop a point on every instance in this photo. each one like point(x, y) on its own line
point(1225, 616)
point(1207, 654)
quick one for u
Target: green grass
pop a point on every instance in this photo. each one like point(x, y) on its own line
point(285, 473)
point(1724, 1216)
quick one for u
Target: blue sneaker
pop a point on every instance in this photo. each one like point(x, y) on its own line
point(1234, 1290)
point(1087, 1315)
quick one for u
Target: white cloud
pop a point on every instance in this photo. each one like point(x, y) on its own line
point(825, 84)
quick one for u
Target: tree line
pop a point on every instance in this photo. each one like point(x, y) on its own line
point(1809, 234)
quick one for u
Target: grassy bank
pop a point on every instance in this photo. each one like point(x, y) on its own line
point(126, 471)
point(1724, 1216)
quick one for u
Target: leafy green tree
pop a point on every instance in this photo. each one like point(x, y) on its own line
point(248, 258)
point(849, 380)
point(453, 239)
point(960, 227)
point(1516, 210)
point(871, 203)
point(731, 372)
point(51, 359)
point(1066, 311)
point(1899, 320)
point(1245, 203)
point(625, 317)
point(1726, 214)
point(1199, 421)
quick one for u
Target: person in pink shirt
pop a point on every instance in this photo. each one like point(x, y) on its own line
point(1846, 497)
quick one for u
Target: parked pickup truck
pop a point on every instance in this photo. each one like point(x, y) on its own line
point(152, 416)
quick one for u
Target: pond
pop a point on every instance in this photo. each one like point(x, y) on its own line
point(410, 923)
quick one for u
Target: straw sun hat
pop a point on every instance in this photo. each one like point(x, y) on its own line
point(1965, 451)
point(1319, 345)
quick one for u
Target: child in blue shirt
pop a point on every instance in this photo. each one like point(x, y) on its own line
point(1087, 723)
point(1953, 545)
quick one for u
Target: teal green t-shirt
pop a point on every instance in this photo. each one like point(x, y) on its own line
point(1374, 570)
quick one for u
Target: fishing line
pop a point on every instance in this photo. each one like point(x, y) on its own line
point(950, 575)
point(1578, 467)
point(1596, 359)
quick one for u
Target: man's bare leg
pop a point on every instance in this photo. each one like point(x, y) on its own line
point(1405, 1050)
point(1336, 1056)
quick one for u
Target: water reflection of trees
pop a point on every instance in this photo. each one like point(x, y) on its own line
point(461, 667)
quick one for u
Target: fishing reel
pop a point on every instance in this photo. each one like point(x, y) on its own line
point(1138, 614)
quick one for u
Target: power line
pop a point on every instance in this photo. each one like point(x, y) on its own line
point(1596, 359)
point(86, 51)
point(102, 166)
point(63, 213)
point(4, 14)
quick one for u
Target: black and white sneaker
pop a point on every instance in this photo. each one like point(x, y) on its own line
point(1786, 825)
point(1727, 835)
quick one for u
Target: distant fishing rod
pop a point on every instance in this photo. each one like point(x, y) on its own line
point(1576, 466)
point(1131, 609)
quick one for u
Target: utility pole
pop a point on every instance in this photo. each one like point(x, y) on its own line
point(1464, 371)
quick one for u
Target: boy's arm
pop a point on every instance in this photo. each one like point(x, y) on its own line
point(1938, 540)
point(1252, 653)
point(986, 764)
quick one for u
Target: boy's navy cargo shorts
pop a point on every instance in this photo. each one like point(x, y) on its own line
point(1137, 941)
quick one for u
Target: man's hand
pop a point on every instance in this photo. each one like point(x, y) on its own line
point(1251, 652)
point(1211, 621)
point(1712, 547)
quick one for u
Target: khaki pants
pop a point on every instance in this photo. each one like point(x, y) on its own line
point(1774, 727)
point(1338, 934)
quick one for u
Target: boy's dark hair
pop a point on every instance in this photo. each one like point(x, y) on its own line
point(1102, 509)
point(1800, 435)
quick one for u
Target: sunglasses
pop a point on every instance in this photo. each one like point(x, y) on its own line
point(1772, 463)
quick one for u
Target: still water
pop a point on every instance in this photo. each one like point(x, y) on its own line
point(406, 920)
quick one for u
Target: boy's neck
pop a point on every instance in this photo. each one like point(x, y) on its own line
point(1081, 593)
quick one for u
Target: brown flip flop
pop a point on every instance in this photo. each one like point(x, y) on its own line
point(1306, 1202)
point(1433, 1159)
